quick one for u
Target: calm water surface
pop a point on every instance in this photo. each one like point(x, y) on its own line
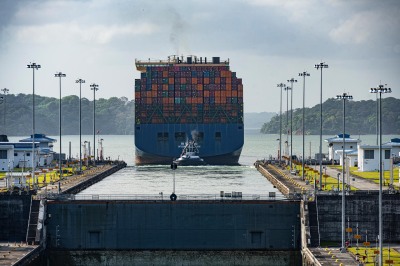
point(193, 179)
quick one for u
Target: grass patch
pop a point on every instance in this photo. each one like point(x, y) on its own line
point(372, 176)
point(367, 255)
point(328, 182)
point(47, 175)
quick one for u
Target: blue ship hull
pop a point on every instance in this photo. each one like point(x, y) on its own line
point(220, 144)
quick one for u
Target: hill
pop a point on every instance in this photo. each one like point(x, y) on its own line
point(256, 120)
point(360, 118)
point(113, 116)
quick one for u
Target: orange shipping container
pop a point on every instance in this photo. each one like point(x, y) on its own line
point(183, 80)
point(165, 74)
point(234, 93)
point(199, 87)
point(206, 80)
point(171, 81)
point(194, 80)
point(217, 80)
point(206, 93)
point(229, 86)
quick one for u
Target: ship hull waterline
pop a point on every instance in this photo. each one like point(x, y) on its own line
point(144, 158)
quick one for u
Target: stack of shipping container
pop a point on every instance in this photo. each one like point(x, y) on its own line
point(184, 93)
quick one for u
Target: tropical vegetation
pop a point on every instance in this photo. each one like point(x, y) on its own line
point(360, 118)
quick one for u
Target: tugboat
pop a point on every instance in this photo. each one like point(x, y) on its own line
point(189, 155)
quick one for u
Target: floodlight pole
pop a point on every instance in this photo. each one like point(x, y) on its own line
point(287, 115)
point(60, 75)
point(344, 97)
point(292, 80)
point(281, 85)
point(380, 89)
point(5, 91)
point(80, 81)
point(304, 74)
point(33, 66)
point(320, 66)
point(95, 88)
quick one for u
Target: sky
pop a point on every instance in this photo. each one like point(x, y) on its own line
point(266, 41)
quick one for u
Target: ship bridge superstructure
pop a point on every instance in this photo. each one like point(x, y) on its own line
point(141, 65)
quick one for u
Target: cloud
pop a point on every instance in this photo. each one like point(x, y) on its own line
point(357, 30)
point(295, 10)
point(61, 32)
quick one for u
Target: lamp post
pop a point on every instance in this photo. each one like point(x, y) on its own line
point(94, 87)
point(60, 75)
point(287, 119)
point(320, 66)
point(292, 80)
point(33, 66)
point(281, 85)
point(343, 97)
point(80, 81)
point(304, 74)
point(5, 91)
point(380, 89)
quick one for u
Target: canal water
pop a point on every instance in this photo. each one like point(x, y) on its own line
point(154, 180)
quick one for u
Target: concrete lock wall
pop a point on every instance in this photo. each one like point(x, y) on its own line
point(180, 225)
point(119, 258)
point(14, 215)
point(361, 209)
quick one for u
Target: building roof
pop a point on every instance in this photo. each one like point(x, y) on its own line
point(393, 142)
point(348, 151)
point(339, 139)
point(20, 145)
point(384, 146)
point(39, 138)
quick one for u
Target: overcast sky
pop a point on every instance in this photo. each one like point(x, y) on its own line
point(266, 41)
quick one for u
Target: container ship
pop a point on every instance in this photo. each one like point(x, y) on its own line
point(185, 99)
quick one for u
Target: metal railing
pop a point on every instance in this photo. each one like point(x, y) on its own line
point(166, 197)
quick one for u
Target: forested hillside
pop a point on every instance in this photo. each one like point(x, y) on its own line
point(360, 118)
point(113, 116)
point(116, 116)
